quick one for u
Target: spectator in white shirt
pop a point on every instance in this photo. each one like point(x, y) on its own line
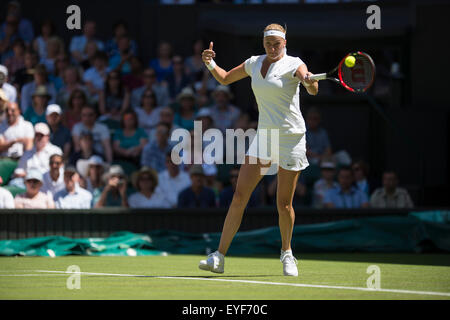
point(72, 196)
point(54, 178)
point(145, 181)
point(390, 195)
point(172, 181)
point(10, 90)
point(6, 198)
point(16, 134)
point(39, 156)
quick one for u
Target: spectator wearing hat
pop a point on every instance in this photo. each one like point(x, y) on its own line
point(172, 181)
point(91, 171)
point(346, 195)
point(59, 135)
point(129, 140)
point(36, 113)
point(148, 111)
point(223, 112)
point(114, 194)
point(100, 133)
point(40, 78)
point(197, 195)
point(10, 90)
point(150, 83)
point(33, 198)
point(72, 196)
point(6, 198)
point(325, 183)
point(390, 195)
point(154, 153)
point(16, 134)
point(185, 115)
point(145, 181)
point(53, 180)
point(39, 156)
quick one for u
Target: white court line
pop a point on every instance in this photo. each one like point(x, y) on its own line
point(445, 294)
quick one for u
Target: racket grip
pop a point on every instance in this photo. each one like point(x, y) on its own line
point(319, 76)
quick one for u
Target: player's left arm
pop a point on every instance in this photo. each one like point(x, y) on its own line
point(312, 86)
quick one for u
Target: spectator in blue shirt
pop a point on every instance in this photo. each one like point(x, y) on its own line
point(163, 63)
point(346, 195)
point(60, 135)
point(120, 28)
point(197, 195)
point(72, 196)
point(226, 196)
point(78, 43)
point(318, 147)
point(154, 153)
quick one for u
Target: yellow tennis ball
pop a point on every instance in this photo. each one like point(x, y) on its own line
point(350, 61)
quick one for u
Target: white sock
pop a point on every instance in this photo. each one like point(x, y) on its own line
point(287, 251)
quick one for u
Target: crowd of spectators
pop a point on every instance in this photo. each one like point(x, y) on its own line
point(87, 124)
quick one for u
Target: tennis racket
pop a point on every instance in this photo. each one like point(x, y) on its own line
point(358, 78)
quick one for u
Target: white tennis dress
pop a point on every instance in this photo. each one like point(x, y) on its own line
point(277, 96)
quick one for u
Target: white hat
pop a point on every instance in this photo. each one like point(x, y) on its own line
point(42, 127)
point(327, 165)
point(83, 164)
point(53, 108)
point(34, 173)
point(3, 70)
point(222, 88)
point(3, 95)
point(204, 112)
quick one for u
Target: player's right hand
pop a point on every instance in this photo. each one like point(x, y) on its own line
point(208, 54)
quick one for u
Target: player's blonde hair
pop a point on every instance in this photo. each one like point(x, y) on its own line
point(275, 26)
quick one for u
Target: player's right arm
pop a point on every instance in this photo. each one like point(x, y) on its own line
point(222, 76)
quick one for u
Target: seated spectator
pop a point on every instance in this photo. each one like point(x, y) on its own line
point(33, 198)
point(346, 195)
point(100, 132)
point(120, 28)
point(16, 134)
point(145, 182)
point(318, 146)
point(172, 181)
point(185, 116)
point(178, 79)
point(223, 112)
point(57, 77)
point(361, 173)
point(90, 50)
point(390, 195)
point(166, 115)
point(114, 194)
point(36, 112)
point(6, 198)
point(78, 43)
point(115, 98)
point(86, 148)
point(72, 114)
point(162, 64)
point(95, 77)
point(197, 195)
point(72, 196)
point(91, 172)
point(129, 140)
point(17, 60)
point(8, 34)
point(325, 183)
point(55, 48)
point(226, 195)
point(154, 153)
point(148, 112)
point(40, 43)
point(39, 156)
point(40, 79)
point(71, 82)
point(60, 135)
point(24, 26)
point(9, 90)
point(194, 63)
point(25, 75)
point(134, 79)
point(53, 180)
point(120, 61)
point(149, 79)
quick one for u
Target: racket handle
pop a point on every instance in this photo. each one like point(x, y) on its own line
point(319, 76)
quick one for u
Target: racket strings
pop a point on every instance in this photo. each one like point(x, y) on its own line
point(360, 76)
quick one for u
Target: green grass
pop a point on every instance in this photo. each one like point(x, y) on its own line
point(426, 272)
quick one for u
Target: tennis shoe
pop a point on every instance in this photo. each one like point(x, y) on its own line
point(214, 263)
point(289, 264)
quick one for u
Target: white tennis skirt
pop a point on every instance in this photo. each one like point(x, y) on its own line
point(288, 150)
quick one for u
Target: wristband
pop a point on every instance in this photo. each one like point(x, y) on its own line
point(211, 65)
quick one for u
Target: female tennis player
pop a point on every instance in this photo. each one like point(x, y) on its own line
point(275, 83)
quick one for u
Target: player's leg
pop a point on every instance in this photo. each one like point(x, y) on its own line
point(286, 185)
point(248, 179)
